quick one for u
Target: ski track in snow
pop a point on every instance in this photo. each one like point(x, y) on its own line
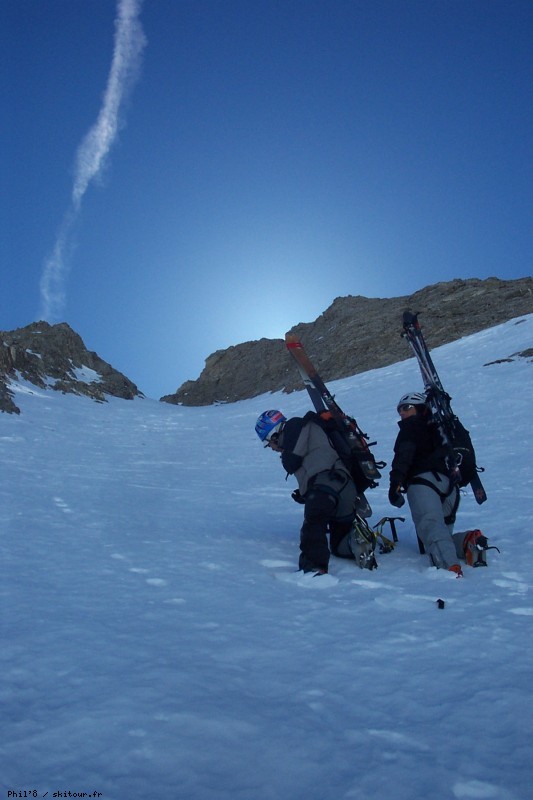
point(157, 640)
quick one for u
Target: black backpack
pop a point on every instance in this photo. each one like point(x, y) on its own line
point(458, 452)
point(463, 450)
point(340, 441)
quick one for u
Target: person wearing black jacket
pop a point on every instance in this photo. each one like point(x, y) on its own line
point(419, 470)
point(325, 486)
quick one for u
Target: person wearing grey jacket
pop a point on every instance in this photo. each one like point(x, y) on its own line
point(325, 487)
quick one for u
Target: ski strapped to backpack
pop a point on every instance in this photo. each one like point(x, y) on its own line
point(346, 437)
point(460, 455)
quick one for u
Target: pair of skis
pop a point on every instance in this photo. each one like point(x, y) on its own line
point(439, 401)
point(323, 400)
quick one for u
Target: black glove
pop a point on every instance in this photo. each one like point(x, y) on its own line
point(297, 497)
point(396, 498)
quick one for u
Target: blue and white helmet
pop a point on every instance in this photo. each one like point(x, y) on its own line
point(269, 423)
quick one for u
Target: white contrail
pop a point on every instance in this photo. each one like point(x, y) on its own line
point(92, 152)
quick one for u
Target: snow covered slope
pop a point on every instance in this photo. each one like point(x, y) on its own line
point(150, 650)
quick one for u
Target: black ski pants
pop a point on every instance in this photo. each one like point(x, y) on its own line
point(329, 507)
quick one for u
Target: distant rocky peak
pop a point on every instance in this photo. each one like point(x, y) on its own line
point(356, 334)
point(55, 357)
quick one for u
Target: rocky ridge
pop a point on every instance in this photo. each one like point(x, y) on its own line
point(356, 334)
point(353, 335)
point(55, 357)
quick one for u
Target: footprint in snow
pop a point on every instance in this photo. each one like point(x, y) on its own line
point(512, 581)
point(407, 602)
point(275, 563)
point(307, 580)
point(60, 503)
point(517, 585)
point(480, 790)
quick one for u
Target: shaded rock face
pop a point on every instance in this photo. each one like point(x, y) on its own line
point(356, 334)
point(55, 357)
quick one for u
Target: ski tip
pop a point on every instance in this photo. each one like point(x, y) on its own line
point(291, 340)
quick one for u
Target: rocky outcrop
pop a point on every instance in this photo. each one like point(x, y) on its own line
point(353, 335)
point(55, 357)
point(253, 362)
point(356, 334)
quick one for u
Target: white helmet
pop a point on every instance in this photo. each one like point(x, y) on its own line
point(412, 399)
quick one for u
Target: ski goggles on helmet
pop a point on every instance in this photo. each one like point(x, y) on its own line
point(272, 439)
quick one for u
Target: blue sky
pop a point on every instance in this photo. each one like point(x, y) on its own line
point(269, 157)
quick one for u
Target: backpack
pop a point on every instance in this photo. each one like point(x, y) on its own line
point(454, 439)
point(344, 448)
point(465, 456)
point(463, 453)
